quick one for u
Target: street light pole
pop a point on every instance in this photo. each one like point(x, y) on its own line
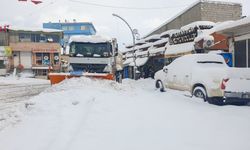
point(133, 35)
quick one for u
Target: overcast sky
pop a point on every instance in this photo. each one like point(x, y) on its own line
point(26, 14)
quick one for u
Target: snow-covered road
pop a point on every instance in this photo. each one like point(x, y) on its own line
point(14, 94)
point(92, 115)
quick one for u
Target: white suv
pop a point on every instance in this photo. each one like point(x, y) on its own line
point(203, 75)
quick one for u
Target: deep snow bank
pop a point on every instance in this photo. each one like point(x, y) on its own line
point(93, 114)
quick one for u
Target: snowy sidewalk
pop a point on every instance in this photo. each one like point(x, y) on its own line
point(14, 94)
point(92, 115)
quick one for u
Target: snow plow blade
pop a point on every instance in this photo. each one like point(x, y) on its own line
point(59, 77)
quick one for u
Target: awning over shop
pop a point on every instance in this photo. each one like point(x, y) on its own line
point(128, 61)
point(139, 62)
point(157, 50)
point(236, 28)
point(180, 48)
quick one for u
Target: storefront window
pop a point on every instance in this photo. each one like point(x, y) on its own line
point(56, 59)
point(46, 59)
point(240, 52)
point(2, 66)
point(42, 58)
point(39, 59)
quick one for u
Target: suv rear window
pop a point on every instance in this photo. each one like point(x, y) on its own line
point(209, 62)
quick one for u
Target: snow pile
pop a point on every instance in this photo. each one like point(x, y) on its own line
point(92, 114)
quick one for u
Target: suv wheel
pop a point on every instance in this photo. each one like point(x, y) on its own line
point(200, 92)
point(159, 85)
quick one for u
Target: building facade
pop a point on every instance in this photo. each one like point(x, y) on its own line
point(72, 28)
point(238, 34)
point(202, 10)
point(35, 50)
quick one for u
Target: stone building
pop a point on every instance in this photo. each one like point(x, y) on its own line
point(202, 10)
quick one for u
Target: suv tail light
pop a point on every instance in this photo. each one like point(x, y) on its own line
point(223, 84)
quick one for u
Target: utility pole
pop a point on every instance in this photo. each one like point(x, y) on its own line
point(133, 35)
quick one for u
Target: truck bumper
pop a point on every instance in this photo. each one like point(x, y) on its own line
point(237, 97)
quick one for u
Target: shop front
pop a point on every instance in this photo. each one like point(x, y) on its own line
point(45, 61)
point(239, 41)
point(5, 53)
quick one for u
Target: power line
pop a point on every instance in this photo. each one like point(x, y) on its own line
point(123, 7)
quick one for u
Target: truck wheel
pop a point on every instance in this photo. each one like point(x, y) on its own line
point(216, 101)
point(200, 92)
point(159, 85)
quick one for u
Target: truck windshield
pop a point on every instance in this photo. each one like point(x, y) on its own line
point(90, 49)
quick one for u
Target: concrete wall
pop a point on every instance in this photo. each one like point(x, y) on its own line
point(220, 12)
point(203, 11)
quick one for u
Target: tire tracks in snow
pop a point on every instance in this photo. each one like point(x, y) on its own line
point(75, 128)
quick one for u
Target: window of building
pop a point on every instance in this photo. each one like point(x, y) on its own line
point(3, 39)
point(2, 66)
point(71, 28)
point(56, 58)
point(64, 28)
point(35, 37)
point(248, 53)
point(39, 59)
point(240, 52)
point(42, 58)
point(24, 37)
point(84, 28)
point(53, 38)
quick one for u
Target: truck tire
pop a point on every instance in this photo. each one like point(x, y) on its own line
point(216, 101)
point(200, 92)
point(159, 85)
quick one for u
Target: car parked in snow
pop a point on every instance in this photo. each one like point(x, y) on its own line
point(204, 76)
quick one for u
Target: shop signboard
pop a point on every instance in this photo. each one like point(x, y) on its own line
point(5, 51)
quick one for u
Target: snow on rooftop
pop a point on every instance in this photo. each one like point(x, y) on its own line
point(153, 37)
point(197, 24)
point(179, 48)
point(141, 41)
point(205, 33)
point(232, 24)
point(139, 62)
point(128, 61)
point(162, 41)
point(15, 28)
point(147, 45)
point(89, 39)
point(157, 50)
point(169, 32)
point(141, 53)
